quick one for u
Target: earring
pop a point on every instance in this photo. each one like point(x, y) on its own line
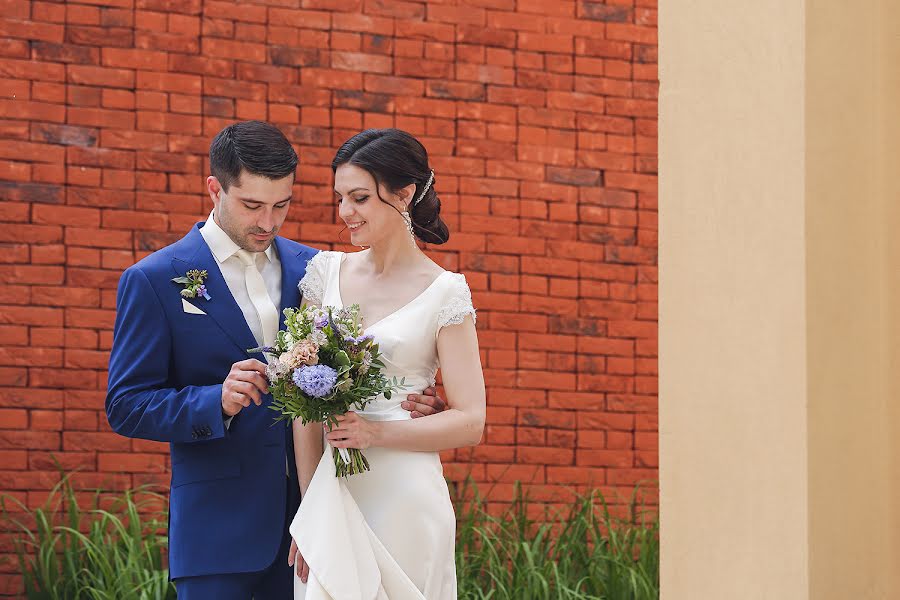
point(408, 219)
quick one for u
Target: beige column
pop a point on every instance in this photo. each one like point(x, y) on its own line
point(779, 301)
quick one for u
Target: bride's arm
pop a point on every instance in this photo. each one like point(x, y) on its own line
point(460, 425)
point(307, 451)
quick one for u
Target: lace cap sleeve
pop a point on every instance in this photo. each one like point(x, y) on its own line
point(457, 302)
point(312, 286)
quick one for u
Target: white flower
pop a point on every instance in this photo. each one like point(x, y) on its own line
point(289, 340)
point(366, 362)
point(318, 336)
point(276, 369)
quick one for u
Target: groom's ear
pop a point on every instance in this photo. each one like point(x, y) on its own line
point(214, 188)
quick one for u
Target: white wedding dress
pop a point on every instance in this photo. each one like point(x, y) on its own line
point(389, 533)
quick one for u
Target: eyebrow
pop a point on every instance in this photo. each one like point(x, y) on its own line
point(250, 201)
point(354, 190)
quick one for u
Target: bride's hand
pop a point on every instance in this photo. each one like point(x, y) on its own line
point(302, 567)
point(352, 431)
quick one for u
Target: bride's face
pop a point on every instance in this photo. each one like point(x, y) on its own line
point(368, 219)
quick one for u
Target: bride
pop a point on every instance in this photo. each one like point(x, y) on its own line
point(389, 533)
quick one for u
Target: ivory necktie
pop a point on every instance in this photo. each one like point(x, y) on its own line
point(259, 296)
point(265, 309)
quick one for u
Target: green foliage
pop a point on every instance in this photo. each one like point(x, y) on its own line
point(586, 554)
point(67, 552)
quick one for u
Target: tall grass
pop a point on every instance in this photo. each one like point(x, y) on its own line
point(585, 553)
point(69, 552)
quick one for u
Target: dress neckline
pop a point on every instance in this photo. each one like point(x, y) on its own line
point(391, 314)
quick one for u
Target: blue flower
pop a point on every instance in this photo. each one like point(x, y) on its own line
point(321, 322)
point(317, 380)
point(358, 341)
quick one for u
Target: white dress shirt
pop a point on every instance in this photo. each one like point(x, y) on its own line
point(224, 249)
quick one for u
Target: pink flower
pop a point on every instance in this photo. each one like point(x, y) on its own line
point(303, 353)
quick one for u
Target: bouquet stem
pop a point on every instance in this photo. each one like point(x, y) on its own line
point(357, 464)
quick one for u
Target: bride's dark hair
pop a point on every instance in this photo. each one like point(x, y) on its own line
point(396, 159)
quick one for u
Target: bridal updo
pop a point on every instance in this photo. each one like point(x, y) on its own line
point(396, 159)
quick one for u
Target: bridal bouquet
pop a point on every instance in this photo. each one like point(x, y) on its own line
point(322, 366)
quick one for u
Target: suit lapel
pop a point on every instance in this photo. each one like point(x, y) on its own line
point(292, 270)
point(221, 307)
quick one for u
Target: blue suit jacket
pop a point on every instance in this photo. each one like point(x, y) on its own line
point(229, 494)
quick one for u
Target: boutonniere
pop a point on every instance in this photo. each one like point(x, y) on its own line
point(193, 284)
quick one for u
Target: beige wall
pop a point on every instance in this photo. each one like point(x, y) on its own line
point(778, 309)
point(851, 421)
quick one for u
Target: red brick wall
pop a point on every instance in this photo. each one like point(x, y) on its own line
point(539, 115)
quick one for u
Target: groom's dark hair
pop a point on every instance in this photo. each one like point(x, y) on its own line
point(256, 147)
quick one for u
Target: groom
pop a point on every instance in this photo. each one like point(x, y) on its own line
point(179, 372)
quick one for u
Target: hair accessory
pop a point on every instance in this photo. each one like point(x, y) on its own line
point(425, 189)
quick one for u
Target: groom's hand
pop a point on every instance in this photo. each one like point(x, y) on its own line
point(246, 383)
point(424, 404)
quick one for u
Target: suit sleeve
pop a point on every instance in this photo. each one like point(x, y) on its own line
point(140, 401)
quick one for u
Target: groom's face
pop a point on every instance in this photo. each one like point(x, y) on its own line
point(253, 208)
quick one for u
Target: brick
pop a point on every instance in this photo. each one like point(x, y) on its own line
point(70, 296)
point(31, 440)
point(65, 53)
point(31, 274)
point(234, 50)
point(169, 162)
point(66, 215)
point(31, 30)
point(363, 101)
point(47, 420)
point(579, 177)
point(605, 458)
point(66, 135)
point(105, 36)
point(544, 456)
point(99, 76)
point(13, 418)
point(540, 42)
point(130, 463)
point(100, 157)
point(358, 61)
point(296, 57)
point(36, 193)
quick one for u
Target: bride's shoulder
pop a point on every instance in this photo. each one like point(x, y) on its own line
point(322, 259)
point(312, 285)
point(457, 299)
point(325, 256)
point(455, 280)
